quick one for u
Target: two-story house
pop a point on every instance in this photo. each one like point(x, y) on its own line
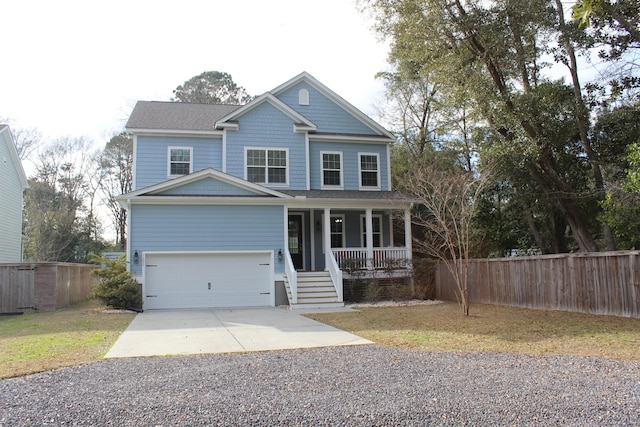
point(234, 204)
point(13, 183)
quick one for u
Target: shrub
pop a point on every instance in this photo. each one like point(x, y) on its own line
point(117, 287)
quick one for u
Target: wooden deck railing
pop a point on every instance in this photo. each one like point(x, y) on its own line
point(357, 258)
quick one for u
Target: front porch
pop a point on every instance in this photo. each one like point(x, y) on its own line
point(314, 276)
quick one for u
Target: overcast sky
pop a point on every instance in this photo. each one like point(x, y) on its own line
point(76, 68)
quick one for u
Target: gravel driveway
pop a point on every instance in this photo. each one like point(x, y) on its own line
point(354, 386)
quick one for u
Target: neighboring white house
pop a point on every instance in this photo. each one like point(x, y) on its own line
point(13, 182)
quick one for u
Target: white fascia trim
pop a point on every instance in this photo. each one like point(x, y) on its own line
point(224, 151)
point(267, 97)
point(227, 126)
point(13, 152)
point(351, 138)
point(307, 161)
point(389, 168)
point(161, 132)
point(135, 163)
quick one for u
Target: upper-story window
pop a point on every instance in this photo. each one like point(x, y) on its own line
point(180, 161)
point(331, 170)
point(267, 166)
point(369, 171)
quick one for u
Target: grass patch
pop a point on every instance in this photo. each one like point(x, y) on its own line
point(36, 342)
point(442, 327)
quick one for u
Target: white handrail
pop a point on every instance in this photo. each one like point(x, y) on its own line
point(335, 273)
point(357, 257)
point(292, 276)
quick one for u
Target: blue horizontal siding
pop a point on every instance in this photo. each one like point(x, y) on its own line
point(208, 187)
point(266, 126)
point(323, 112)
point(206, 228)
point(151, 156)
point(349, 162)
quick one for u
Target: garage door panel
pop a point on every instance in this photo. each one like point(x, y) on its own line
point(207, 280)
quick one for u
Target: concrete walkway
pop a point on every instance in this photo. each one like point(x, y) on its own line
point(165, 332)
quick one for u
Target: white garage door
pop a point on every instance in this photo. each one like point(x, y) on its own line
point(197, 280)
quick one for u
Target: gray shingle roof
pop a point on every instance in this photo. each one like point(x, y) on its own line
point(177, 115)
point(347, 194)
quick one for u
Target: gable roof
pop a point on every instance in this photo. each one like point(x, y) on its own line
point(7, 137)
point(208, 173)
point(299, 120)
point(176, 116)
point(182, 117)
point(309, 79)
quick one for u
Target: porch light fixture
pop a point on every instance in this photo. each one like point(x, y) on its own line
point(318, 227)
point(279, 254)
point(136, 257)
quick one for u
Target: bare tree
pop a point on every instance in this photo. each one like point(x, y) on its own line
point(116, 165)
point(446, 202)
point(26, 139)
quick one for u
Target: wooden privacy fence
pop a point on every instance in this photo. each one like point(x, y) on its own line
point(44, 286)
point(597, 283)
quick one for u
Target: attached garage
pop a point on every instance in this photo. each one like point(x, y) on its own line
point(211, 279)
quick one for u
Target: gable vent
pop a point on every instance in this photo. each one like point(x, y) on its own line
point(303, 97)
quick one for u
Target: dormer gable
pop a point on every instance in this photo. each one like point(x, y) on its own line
point(231, 121)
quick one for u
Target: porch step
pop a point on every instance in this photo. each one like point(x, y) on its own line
point(315, 290)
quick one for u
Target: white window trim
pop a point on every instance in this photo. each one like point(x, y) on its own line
point(344, 229)
point(266, 150)
point(362, 218)
point(368, 188)
point(322, 184)
point(169, 160)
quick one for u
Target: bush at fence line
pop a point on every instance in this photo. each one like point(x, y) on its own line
point(424, 278)
point(117, 287)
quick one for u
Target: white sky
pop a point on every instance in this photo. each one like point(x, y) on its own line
point(76, 68)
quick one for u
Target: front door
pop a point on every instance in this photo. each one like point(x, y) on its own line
point(295, 241)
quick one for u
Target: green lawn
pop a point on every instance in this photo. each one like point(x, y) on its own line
point(37, 342)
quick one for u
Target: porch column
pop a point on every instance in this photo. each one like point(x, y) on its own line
point(326, 234)
point(407, 233)
point(369, 226)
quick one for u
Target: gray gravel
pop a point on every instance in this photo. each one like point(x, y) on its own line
point(354, 386)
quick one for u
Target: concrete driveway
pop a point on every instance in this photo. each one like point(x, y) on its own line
point(165, 332)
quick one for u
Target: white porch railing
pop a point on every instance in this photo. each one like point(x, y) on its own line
point(292, 276)
point(335, 273)
point(357, 258)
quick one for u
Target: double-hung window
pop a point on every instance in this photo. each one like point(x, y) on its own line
point(331, 170)
point(180, 161)
point(369, 171)
point(266, 166)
